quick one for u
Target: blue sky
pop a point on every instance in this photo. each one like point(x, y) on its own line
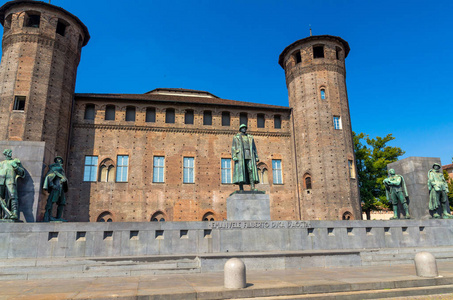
point(398, 70)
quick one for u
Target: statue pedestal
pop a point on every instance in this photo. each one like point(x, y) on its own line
point(245, 206)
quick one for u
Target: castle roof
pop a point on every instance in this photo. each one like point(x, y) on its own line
point(310, 39)
point(177, 99)
point(9, 4)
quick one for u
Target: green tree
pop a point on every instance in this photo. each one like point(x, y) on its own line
point(450, 187)
point(372, 158)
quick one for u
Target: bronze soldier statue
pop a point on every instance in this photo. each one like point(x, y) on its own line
point(56, 184)
point(245, 158)
point(10, 170)
point(395, 189)
point(438, 190)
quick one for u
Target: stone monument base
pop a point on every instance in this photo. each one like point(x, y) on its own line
point(248, 206)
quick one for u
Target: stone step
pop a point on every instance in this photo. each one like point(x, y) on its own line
point(380, 257)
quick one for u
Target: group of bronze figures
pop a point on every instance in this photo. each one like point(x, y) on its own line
point(55, 183)
point(245, 158)
point(396, 191)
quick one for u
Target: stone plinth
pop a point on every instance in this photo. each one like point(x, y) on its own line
point(248, 206)
point(415, 173)
point(31, 156)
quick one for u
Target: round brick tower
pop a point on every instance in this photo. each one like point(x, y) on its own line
point(41, 51)
point(321, 127)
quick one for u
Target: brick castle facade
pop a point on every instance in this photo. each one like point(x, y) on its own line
point(165, 154)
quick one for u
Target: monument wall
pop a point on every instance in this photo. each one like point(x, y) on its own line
point(161, 238)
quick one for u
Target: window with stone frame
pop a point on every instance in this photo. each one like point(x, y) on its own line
point(90, 168)
point(122, 167)
point(158, 169)
point(188, 170)
point(337, 122)
point(226, 172)
point(277, 171)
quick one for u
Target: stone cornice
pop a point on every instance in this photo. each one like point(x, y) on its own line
point(298, 70)
point(181, 130)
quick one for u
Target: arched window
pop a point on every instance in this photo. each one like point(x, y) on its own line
point(89, 112)
point(150, 114)
point(243, 119)
point(188, 117)
point(106, 216)
point(209, 216)
point(107, 171)
point(158, 216)
point(307, 181)
point(260, 120)
point(263, 173)
point(170, 115)
point(7, 24)
point(323, 93)
point(130, 113)
point(348, 216)
point(338, 53)
point(110, 112)
point(225, 118)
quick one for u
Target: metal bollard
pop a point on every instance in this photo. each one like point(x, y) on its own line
point(234, 274)
point(425, 265)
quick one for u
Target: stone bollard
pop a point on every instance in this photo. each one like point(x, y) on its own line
point(234, 274)
point(425, 265)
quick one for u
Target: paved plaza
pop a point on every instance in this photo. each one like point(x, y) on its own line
point(370, 282)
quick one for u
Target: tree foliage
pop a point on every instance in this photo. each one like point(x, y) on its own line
point(372, 158)
point(450, 187)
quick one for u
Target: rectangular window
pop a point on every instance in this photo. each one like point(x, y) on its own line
point(188, 118)
point(188, 170)
point(121, 168)
point(32, 20)
point(226, 170)
point(19, 103)
point(351, 169)
point(158, 169)
point(61, 28)
point(91, 168)
point(225, 118)
point(277, 122)
point(243, 119)
point(130, 113)
point(150, 114)
point(336, 122)
point(277, 171)
point(207, 117)
point(260, 121)
point(318, 51)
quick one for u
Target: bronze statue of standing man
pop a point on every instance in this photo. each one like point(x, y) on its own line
point(438, 190)
point(395, 190)
point(245, 158)
point(10, 170)
point(56, 184)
